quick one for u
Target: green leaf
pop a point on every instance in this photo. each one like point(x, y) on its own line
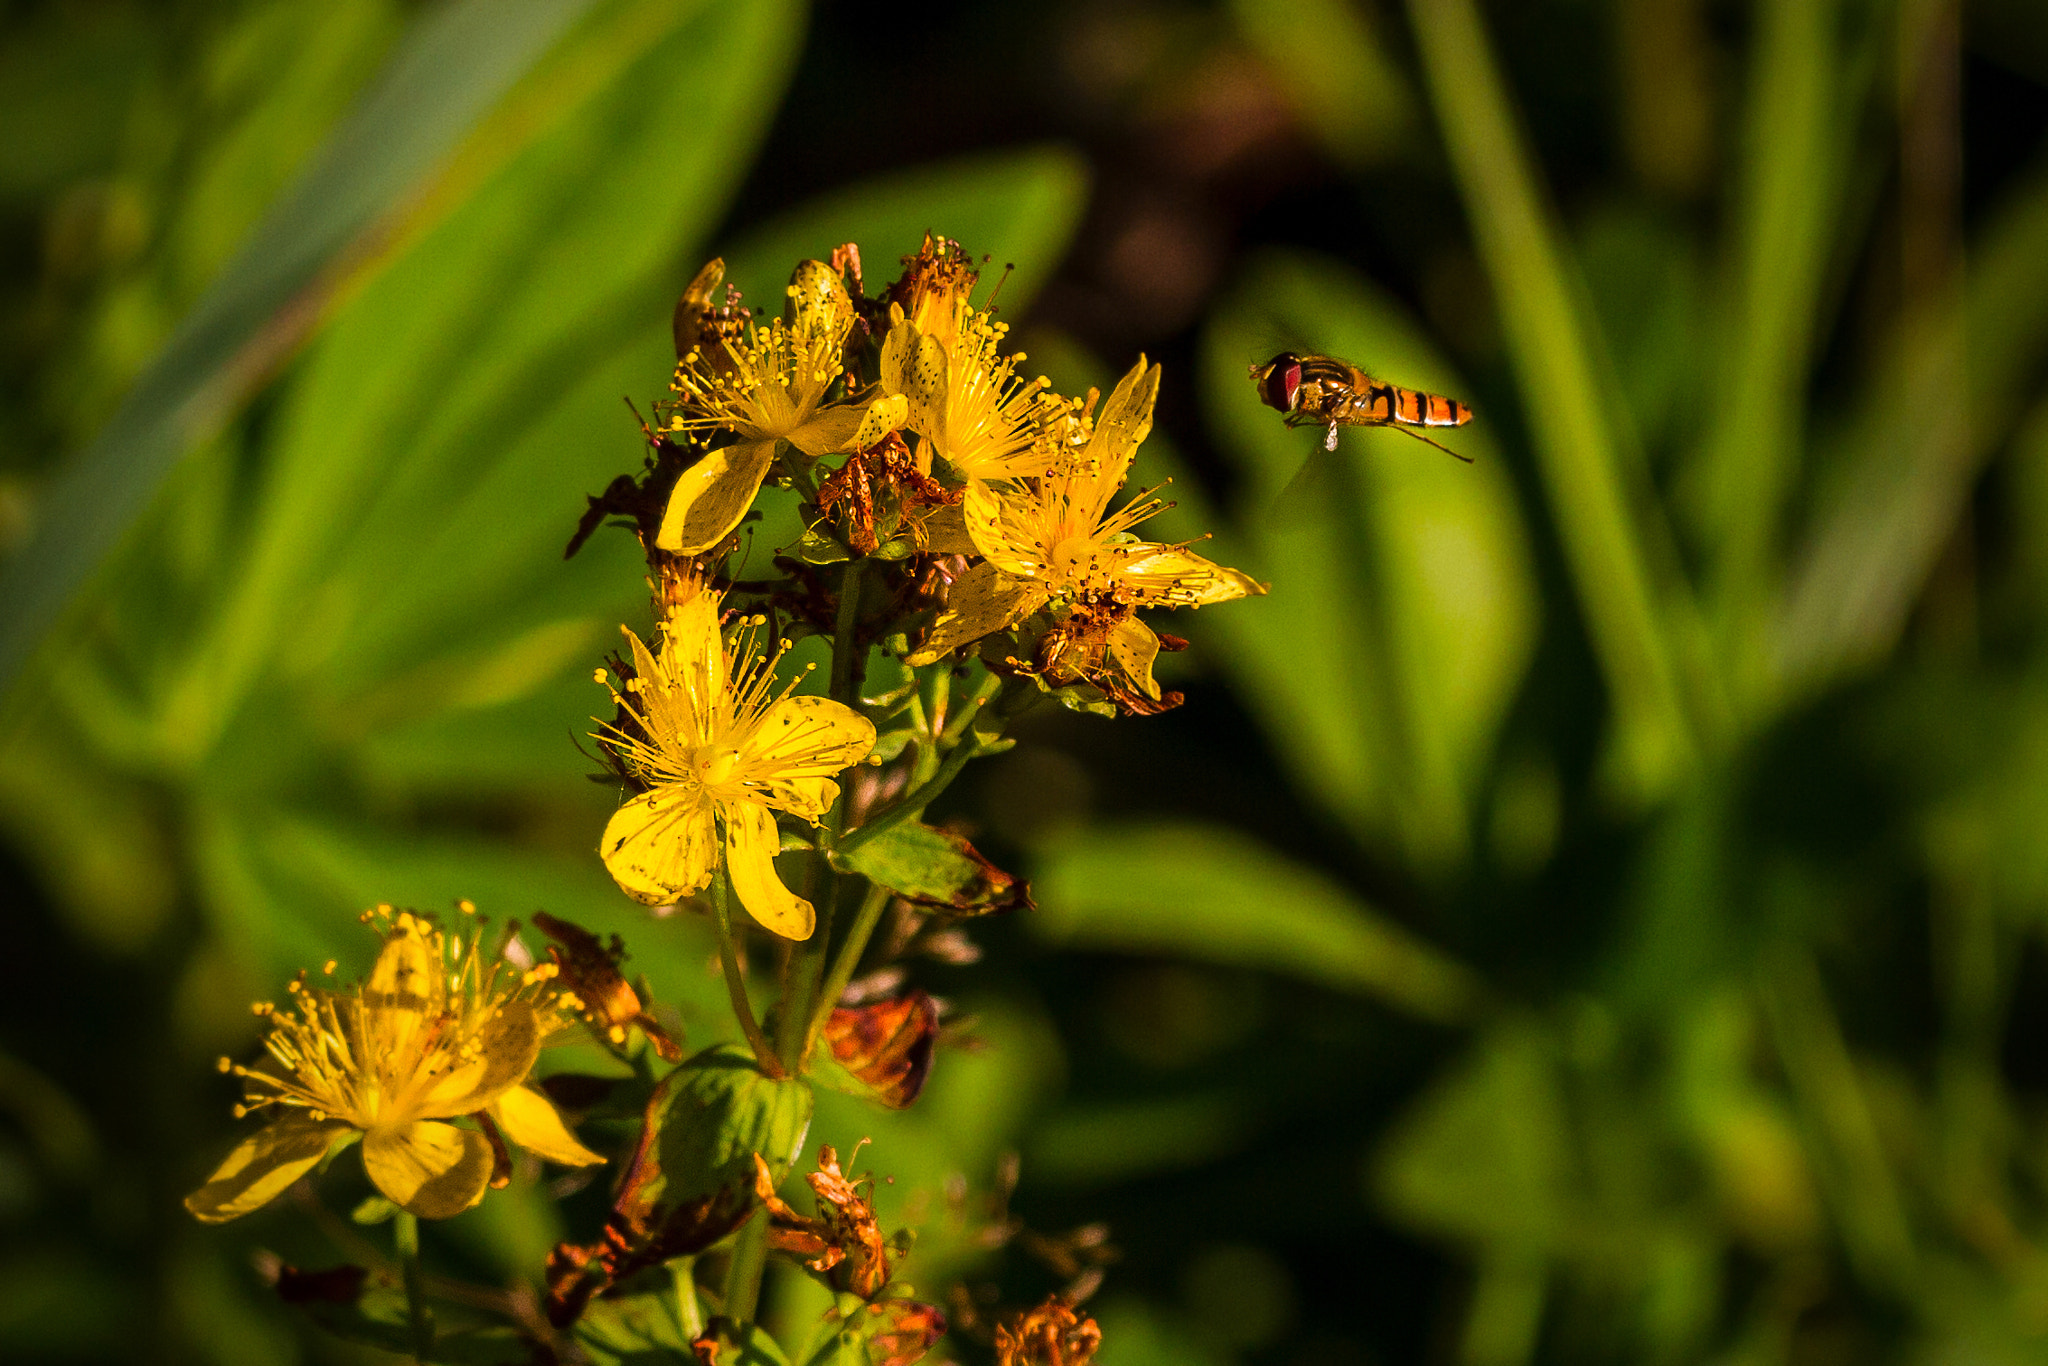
point(462, 1337)
point(456, 62)
point(936, 868)
point(691, 1181)
point(820, 547)
point(634, 1330)
point(1212, 894)
point(1403, 609)
point(1458, 1166)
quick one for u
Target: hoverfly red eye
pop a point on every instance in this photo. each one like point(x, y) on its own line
point(1281, 384)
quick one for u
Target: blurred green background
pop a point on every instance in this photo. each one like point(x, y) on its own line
point(1593, 911)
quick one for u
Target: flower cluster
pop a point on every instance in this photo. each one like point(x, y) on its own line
point(965, 535)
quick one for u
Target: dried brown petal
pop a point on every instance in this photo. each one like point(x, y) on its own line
point(1050, 1335)
point(590, 968)
point(906, 1332)
point(887, 1044)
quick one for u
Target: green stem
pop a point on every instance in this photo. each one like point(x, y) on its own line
point(848, 671)
point(405, 1229)
point(797, 468)
point(857, 936)
point(689, 1313)
point(917, 801)
point(736, 982)
point(792, 1042)
point(743, 1277)
point(848, 666)
point(957, 724)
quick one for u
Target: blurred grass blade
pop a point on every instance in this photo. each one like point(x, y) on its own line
point(454, 64)
point(1335, 70)
point(1017, 208)
point(455, 569)
point(1213, 894)
point(480, 555)
point(1842, 1122)
point(438, 440)
point(1788, 207)
point(1602, 516)
point(1907, 464)
point(1402, 575)
point(287, 888)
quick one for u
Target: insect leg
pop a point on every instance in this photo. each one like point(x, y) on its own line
point(1330, 438)
point(1410, 431)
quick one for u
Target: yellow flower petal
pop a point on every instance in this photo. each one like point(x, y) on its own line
point(530, 1119)
point(751, 843)
point(983, 512)
point(885, 415)
point(406, 965)
point(914, 365)
point(980, 602)
point(806, 737)
point(661, 845)
point(1125, 422)
point(712, 495)
point(944, 532)
point(262, 1166)
point(505, 1047)
point(1173, 577)
point(809, 798)
point(431, 1169)
point(1132, 647)
point(815, 303)
point(827, 430)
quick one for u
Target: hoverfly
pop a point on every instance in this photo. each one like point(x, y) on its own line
point(1335, 393)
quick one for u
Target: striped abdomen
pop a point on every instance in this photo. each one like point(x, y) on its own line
point(1376, 403)
point(1343, 393)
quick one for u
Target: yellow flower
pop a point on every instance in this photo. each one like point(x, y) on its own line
point(434, 1034)
point(966, 400)
point(765, 387)
point(935, 285)
point(722, 748)
point(1056, 543)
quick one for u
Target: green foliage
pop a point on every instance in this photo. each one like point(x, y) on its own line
point(1627, 878)
point(694, 1174)
point(932, 866)
point(1214, 894)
